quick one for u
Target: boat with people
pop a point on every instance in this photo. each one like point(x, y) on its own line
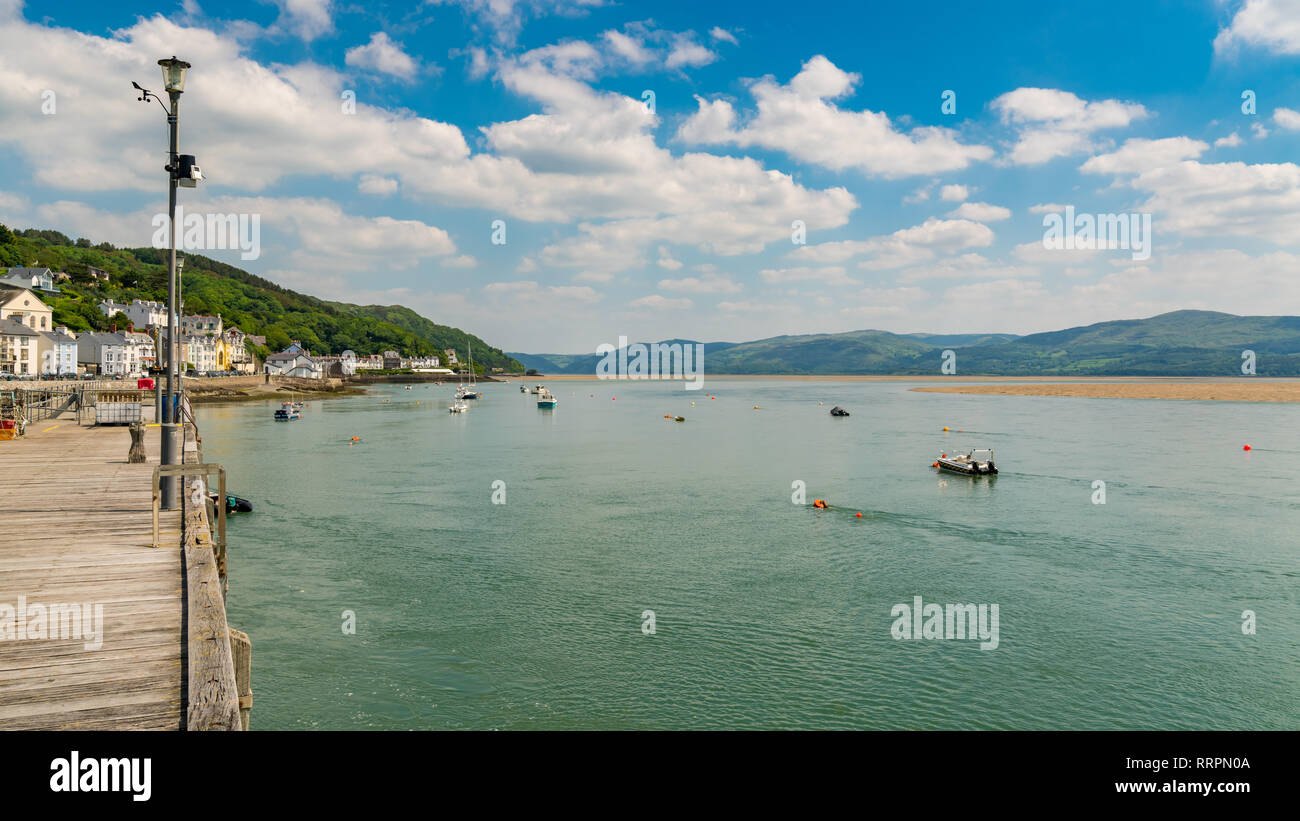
point(546, 399)
point(838, 411)
point(977, 462)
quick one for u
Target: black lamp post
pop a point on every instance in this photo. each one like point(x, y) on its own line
point(183, 171)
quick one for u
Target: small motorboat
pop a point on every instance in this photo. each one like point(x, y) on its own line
point(546, 399)
point(458, 406)
point(838, 411)
point(978, 462)
point(523, 389)
point(287, 413)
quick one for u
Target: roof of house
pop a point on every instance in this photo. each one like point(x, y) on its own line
point(60, 337)
point(287, 356)
point(13, 327)
point(102, 338)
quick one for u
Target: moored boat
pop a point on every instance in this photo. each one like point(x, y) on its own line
point(546, 399)
point(978, 462)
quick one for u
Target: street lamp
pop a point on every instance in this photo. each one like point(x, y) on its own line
point(182, 170)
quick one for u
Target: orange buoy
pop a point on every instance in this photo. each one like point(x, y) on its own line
point(818, 503)
point(935, 465)
point(945, 427)
point(859, 514)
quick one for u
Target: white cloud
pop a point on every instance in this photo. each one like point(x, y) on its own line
point(687, 53)
point(462, 261)
point(659, 302)
point(1138, 155)
point(1272, 25)
point(628, 47)
point(1046, 208)
point(1053, 123)
point(954, 193)
point(980, 212)
point(905, 245)
point(308, 19)
point(375, 184)
point(828, 275)
point(1231, 141)
point(529, 292)
point(1287, 118)
point(666, 260)
point(707, 284)
point(787, 116)
point(1258, 129)
point(383, 56)
point(721, 34)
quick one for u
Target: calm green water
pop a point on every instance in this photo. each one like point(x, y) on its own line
point(768, 614)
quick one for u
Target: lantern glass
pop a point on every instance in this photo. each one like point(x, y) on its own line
point(174, 74)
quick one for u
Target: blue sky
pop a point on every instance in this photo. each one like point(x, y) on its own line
point(676, 222)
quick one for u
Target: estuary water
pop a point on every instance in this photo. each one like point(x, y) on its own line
point(767, 612)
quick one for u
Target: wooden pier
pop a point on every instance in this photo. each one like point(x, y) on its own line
point(76, 527)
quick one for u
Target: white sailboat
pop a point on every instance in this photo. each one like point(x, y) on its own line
point(469, 391)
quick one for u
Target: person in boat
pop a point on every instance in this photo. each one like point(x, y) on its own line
point(820, 503)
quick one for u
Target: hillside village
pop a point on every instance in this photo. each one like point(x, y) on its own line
point(32, 346)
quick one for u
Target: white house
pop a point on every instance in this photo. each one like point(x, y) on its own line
point(18, 347)
point(23, 305)
point(35, 279)
point(139, 350)
point(199, 325)
point(57, 351)
point(143, 313)
point(204, 352)
point(288, 363)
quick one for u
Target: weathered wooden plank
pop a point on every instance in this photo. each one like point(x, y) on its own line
point(76, 528)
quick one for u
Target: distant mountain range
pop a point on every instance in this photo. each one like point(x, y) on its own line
point(1180, 343)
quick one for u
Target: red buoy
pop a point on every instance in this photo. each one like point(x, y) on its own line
point(859, 515)
point(1245, 447)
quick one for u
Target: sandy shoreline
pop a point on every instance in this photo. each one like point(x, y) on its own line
point(1239, 390)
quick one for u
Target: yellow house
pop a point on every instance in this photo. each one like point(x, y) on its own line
point(223, 353)
point(24, 306)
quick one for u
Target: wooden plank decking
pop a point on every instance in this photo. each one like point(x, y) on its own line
point(76, 528)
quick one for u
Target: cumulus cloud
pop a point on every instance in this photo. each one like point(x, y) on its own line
point(383, 56)
point(307, 19)
point(1053, 123)
point(706, 284)
point(1138, 155)
point(1271, 25)
point(788, 115)
point(954, 193)
point(905, 245)
point(827, 275)
point(1287, 118)
point(980, 212)
point(659, 302)
point(722, 35)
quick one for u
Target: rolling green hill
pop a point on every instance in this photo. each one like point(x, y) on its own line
point(256, 305)
point(1181, 343)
